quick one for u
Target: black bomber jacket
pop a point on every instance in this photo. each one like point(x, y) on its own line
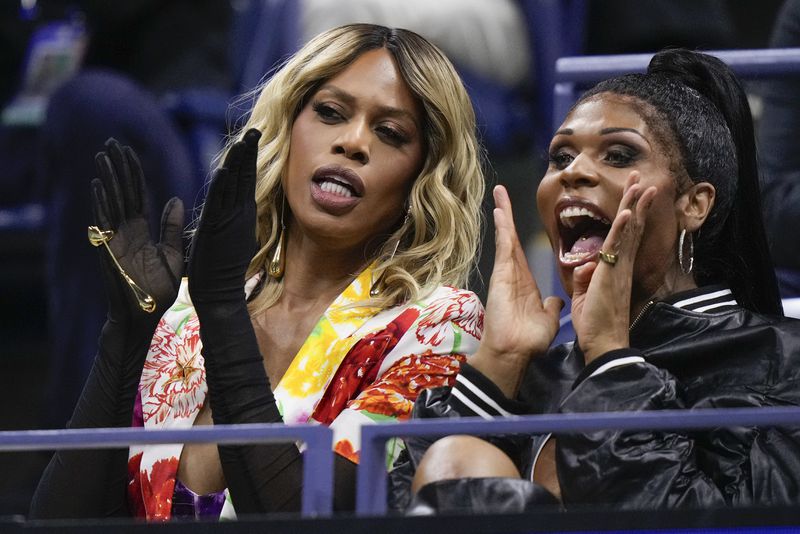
point(698, 349)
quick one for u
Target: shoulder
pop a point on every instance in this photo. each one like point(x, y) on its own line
point(182, 309)
point(459, 306)
point(456, 302)
point(456, 312)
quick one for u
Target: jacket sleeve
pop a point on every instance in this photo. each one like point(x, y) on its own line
point(666, 469)
point(472, 395)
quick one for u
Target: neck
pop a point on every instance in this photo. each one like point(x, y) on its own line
point(316, 271)
point(673, 283)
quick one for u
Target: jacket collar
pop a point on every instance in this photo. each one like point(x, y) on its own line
point(688, 311)
point(709, 299)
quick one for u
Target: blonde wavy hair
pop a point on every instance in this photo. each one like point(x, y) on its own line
point(438, 242)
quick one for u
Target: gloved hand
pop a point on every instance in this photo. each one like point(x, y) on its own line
point(119, 202)
point(225, 239)
point(238, 387)
point(222, 248)
point(107, 399)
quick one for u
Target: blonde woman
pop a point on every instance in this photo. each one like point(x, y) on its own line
point(323, 272)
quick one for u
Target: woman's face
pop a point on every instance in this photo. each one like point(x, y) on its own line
point(591, 156)
point(356, 148)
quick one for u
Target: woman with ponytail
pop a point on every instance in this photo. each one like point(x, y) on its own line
point(651, 203)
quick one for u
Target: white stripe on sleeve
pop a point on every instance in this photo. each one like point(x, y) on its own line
point(616, 363)
point(461, 379)
point(471, 405)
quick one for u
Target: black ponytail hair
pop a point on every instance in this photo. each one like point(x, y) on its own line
point(743, 236)
point(709, 119)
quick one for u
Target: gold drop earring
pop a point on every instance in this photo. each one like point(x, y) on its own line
point(277, 264)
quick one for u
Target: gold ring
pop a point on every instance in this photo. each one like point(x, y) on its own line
point(607, 257)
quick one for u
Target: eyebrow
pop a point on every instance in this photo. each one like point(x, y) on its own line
point(604, 131)
point(350, 100)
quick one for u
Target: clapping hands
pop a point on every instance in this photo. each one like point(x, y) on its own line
point(520, 325)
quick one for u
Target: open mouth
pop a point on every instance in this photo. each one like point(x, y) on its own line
point(331, 185)
point(582, 230)
point(338, 181)
point(336, 189)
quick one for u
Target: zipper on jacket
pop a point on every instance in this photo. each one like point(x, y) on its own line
point(641, 314)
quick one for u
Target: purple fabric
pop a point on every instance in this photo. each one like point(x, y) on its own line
point(187, 504)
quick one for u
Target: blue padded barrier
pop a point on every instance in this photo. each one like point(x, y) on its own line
point(573, 74)
point(557, 29)
point(317, 497)
point(371, 478)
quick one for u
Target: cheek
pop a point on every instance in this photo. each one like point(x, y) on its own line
point(305, 146)
point(296, 147)
point(303, 134)
point(546, 195)
point(660, 233)
point(394, 190)
point(543, 193)
point(397, 171)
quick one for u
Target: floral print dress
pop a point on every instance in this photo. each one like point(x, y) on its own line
point(359, 365)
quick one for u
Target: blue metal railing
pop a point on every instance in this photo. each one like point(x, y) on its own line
point(572, 74)
point(317, 497)
point(371, 478)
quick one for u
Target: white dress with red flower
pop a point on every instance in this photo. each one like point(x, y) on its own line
point(359, 365)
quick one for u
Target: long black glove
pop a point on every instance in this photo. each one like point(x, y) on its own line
point(222, 248)
point(92, 483)
point(261, 478)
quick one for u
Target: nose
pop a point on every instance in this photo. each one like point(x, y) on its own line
point(353, 141)
point(579, 173)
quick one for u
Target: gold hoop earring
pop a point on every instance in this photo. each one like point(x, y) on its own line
point(277, 264)
point(377, 285)
point(681, 256)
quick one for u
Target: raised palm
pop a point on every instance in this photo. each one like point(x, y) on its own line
point(518, 322)
point(119, 203)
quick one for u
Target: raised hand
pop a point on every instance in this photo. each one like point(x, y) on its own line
point(518, 324)
point(224, 242)
point(107, 399)
point(119, 203)
point(601, 297)
point(222, 249)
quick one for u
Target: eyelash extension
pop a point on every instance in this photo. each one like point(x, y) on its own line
point(627, 155)
point(325, 111)
point(394, 136)
point(554, 156)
